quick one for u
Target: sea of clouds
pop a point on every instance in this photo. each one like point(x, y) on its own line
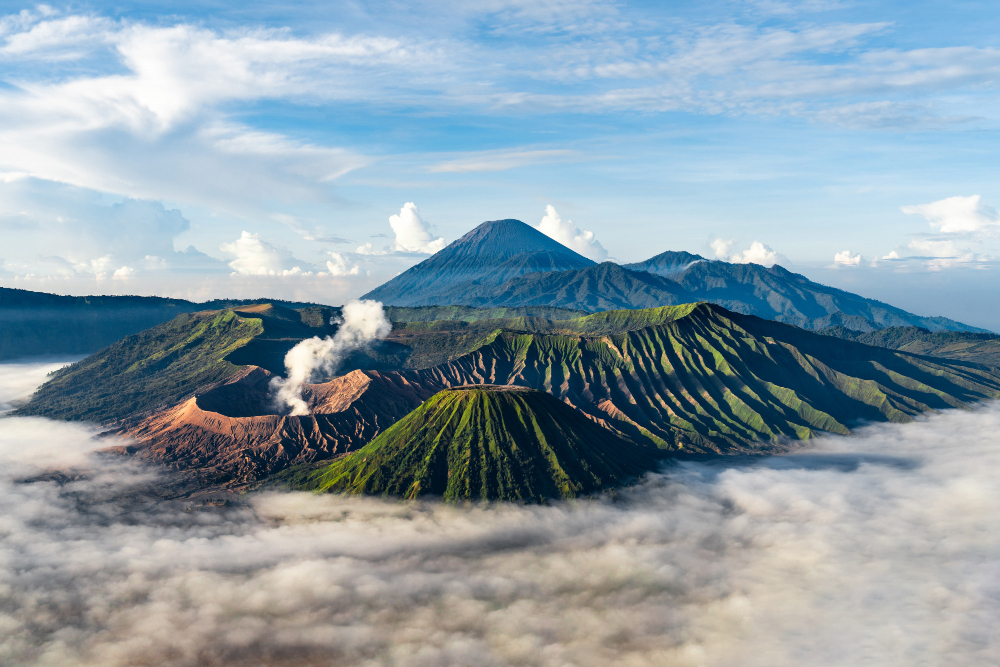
point(880, 549)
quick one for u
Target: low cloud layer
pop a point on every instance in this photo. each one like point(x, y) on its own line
point(879, 549)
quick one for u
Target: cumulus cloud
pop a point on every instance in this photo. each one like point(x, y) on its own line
point(721, 247)
point(956, 215)
point(847, 258)
point(757, 253)
point(412, 233)
point(567, 233)
point(255, 257)
point(338, 265)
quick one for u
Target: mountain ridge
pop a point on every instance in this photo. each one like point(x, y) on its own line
point(536, 271)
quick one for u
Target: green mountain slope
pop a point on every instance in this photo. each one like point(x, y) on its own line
point(171, 361)
point(37, 323)
point(983, 348)
point(488, 443)
point(713, 380)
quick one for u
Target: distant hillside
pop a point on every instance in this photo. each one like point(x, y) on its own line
point(983, 348)
point(37, 323)
point(490, 254)
point(772, 293)
point(487, 443)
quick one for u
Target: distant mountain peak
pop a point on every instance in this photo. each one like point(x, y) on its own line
point(490, 254)
point(506, 239)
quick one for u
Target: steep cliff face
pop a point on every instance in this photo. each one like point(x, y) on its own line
point(707, 381)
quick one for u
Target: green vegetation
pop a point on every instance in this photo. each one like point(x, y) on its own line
point(470, 314)
point(713, 380)
point(36, 323)
point(172, 361)
point(155, 368)
point(694, 378)
point(439, 341)
point(983, 348)
point(487, 443)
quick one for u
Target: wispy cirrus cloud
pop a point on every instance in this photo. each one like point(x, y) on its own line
point(500, 160)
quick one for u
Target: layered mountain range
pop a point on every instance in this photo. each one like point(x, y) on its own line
point(531, 397)
point(526, 270)
point(692, 379)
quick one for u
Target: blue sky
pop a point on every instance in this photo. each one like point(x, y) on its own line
point(252, 149)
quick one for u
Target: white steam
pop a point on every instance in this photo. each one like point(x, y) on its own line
point(880, 549)
point(361, 323)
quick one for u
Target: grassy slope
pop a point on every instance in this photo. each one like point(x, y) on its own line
point(982, 348)
point(439, 341)
point(156, 367)
point(37, 323)
point(171, 361)
point(717, 381)
point(489, 445)
point(470, 314)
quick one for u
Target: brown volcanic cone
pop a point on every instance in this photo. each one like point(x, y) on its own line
point(232, 433)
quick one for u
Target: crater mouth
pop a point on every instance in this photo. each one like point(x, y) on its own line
point(249, 395)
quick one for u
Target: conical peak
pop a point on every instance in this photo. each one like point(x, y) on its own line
point(506, 238)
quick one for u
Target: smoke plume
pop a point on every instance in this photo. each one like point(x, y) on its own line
point(879, 549)
point(361, 323)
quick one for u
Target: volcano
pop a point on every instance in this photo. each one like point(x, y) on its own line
point(489, 442)
point(491, 254)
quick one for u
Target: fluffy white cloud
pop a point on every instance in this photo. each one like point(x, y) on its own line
point(255, 257)
point(847, 258)
point(338, 265)
point(571, 236)
point(370, 249)
point(891, 255)
point(956, 215)
point(412, 233)
point(124, 273)
point(721, 248)
point(872, 550)
point(757, 253)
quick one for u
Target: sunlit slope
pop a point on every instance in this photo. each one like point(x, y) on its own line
point(712, 380)
point(489, 443)
point(172, 361)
